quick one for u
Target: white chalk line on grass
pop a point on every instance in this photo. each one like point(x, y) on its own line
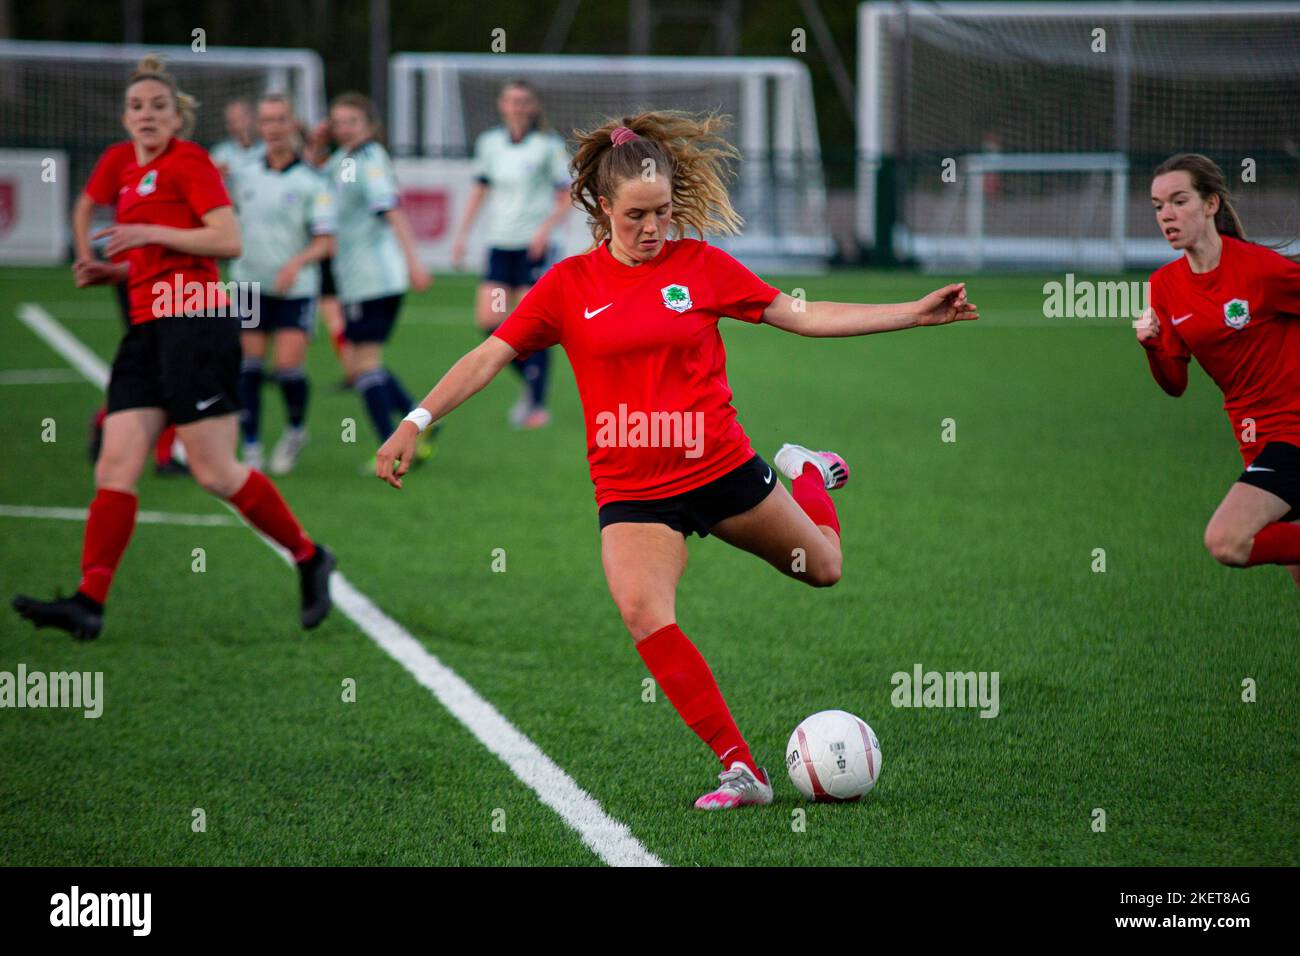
point(609, 839)
point(141, 517)
point(39, 376)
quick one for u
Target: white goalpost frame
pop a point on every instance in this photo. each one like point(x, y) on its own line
point(1105, 253)
point(297, 72)
point(875, 18)
point(434, 80)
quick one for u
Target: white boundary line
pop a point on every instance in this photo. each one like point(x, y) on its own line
point(142, 517)
point(609, 839)
point(39, 376)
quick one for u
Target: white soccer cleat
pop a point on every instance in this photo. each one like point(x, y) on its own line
point(522, 408)
point(285, 454)
point(790, 460)
point(739, 787)
point(253, 455)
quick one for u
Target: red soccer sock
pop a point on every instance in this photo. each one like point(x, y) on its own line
point(1276, 543)
point(810, 494)
point(260, 502)
point(685, 677)
point(108, 529)
point(162, 452)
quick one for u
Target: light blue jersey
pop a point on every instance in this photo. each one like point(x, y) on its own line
point(231, 155)
point(370, 263)
point(522, 177)
point(279, 214)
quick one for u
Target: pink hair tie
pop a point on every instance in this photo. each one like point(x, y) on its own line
point(622, 135)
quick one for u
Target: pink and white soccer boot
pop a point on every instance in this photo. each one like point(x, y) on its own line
point(738, 787)
point(791, 459)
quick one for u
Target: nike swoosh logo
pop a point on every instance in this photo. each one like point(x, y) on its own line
point(587, 314)
point(1256, 468)
point(1181, 319)
point(207, 403)
point(768, 479)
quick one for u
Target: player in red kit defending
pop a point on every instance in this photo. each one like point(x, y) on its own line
point(174, 219)
point(1235, 306)
point(638, 318)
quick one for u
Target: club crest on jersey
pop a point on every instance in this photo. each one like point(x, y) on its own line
point(677, 297)
point(1236, 313)
point(148, 184)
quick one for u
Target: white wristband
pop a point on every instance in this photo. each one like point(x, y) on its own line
point(420, 418)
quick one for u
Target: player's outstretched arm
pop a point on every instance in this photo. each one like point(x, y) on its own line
point(1169, 371)
point(469, 375)
point(835, 319)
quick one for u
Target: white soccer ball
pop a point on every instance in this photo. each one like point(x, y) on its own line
point(833, 757)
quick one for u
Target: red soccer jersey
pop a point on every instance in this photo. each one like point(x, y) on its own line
point(106, 179)
point(1241, 321)
point(177, 188)
point(649, 362)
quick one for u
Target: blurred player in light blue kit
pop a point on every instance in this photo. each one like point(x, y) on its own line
point(522, 170)
point(287, 212)
point(240, 147)
point(375, 263)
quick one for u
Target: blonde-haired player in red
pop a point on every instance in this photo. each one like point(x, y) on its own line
point(174, 220)
point(1235, 306)
point(638, 317)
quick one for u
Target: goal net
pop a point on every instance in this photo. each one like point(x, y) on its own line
point(440, 103)
point(68, 96)
point(1024, 134)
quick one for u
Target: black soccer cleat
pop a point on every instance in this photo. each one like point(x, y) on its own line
point(314, 582)
point(170, 468)
point(79, 615)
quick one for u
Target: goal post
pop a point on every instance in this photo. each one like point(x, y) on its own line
point(440, 103)
point(993, 86)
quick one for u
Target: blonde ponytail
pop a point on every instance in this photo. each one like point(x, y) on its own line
point(687, 147)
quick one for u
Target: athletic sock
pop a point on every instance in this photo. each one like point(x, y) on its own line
point(373, 386)
point(1276, 543)
point(535, 372)
point(810, 494)
point(684, 676)
point(162, 450)
point(260, 502)
point(250, 396)
point(398, 396)
point(293, 386)
point(108, 530)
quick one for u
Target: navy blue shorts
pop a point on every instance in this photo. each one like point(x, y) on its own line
point(372, 320)
point(513, 268)
point(272, 314)
point(1276, 469)
point(698, 510)
point(327, 287)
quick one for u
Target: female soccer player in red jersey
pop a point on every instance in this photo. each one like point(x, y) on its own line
point(101, 190)
point(174, 220)
point(638, 317)
point(1235, 306)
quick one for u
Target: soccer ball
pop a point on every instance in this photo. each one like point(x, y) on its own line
point(833, 757)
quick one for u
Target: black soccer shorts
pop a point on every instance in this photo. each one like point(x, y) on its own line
point(187, 365)
point(698, 510)
point(1276, 469)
